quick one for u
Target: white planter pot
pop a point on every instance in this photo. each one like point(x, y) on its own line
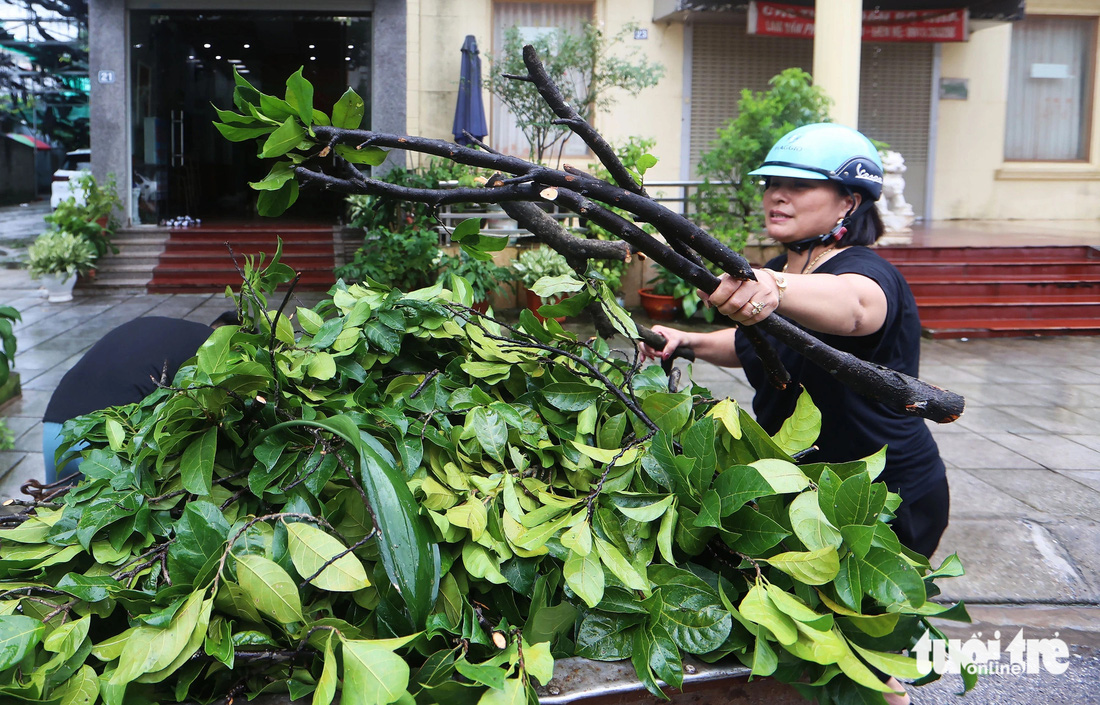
point(59, 287)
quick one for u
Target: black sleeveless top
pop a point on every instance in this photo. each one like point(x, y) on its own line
point(852, 426)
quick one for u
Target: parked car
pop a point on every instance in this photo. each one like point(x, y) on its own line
point(64, 179)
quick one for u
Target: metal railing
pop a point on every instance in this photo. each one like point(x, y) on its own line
point(674, 195)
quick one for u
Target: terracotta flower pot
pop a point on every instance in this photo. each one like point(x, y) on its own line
point(660, 308)
point(534, 302)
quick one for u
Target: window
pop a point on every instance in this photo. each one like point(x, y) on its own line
point(533, 20)
point(1050, 89)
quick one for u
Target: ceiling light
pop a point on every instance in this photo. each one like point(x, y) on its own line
point(312, 46)
point(313, 58)
point(205, 46)
point(234, 61)
point(247, 46)
point(218, 57)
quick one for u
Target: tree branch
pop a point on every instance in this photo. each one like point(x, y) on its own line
point(572, 119)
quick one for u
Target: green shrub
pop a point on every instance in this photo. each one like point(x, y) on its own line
point(728, 202)
point(8, 315)
point(536, 263)
point(57, 252)
point(401, 244)
point(484, 276)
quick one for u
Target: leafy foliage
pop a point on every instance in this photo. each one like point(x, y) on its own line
point(538, 262)
point(728, 202)
point(587, 66)
point(93, 216)
point(401, 245)
point(484, 276)
point(60, 252)
point(407, 500)
point(8, 316)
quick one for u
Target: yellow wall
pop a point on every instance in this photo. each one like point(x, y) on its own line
point(972, 179)
point(437, 29)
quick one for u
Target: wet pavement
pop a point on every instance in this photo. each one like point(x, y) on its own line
point(19, 226)
point(1023, 464)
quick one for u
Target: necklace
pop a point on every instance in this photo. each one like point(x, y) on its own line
point(810, 268)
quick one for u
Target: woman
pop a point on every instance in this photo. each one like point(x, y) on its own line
point(821, 184)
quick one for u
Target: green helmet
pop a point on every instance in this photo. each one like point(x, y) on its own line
point(826, 150)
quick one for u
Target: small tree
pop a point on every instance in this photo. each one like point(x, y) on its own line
point(728, 203)
point(586, 67)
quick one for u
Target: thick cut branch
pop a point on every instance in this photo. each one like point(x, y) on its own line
point(570, 117)
point(896, 390)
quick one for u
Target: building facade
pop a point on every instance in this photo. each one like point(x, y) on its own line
point(1000, 125)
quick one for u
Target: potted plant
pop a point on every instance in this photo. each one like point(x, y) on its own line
point(663, 298)
point(534, 264)
point(57, 257)
point(92, 215)
point(483, 276)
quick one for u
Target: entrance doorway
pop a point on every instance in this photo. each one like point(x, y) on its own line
point(182, 66)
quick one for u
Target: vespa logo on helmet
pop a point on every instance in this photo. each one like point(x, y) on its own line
point(865, 175)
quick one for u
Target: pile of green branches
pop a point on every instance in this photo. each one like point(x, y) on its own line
point(406, 501)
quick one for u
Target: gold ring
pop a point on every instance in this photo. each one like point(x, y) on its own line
point(757, 307)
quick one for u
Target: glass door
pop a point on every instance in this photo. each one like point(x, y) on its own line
point(182, 66)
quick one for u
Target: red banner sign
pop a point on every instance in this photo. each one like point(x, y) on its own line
point(772, 19)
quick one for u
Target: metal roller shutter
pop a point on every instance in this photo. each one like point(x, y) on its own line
point(895, 90)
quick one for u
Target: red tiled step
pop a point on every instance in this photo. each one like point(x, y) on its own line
point(897, 254)
point(222, 260)
point(982, 328)
point(996, 309)
point(1000, 270)
point(992, 286)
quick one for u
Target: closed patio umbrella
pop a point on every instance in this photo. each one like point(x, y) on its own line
point(470, 111)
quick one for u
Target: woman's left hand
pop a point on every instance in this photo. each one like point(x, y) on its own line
point(747, 302)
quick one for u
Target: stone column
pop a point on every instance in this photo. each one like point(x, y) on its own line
point(109, 103)
point(838, 29)
point(389, 75)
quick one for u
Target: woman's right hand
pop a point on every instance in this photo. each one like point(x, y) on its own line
point(673, 339)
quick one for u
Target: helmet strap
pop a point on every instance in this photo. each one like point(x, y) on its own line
point(836, 233)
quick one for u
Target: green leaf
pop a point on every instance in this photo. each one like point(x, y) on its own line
point(197, 464)
point(151, 649)
point(810, 567)
point(784, 476)
point(758, 532)
point(274, 203)
point(857, 501)
point(888, 578)
point(798, 610)
point(299, 95)
point(280, 173)
point(694, 617)
point(647, 512)
point(512, 693)
point(311, 548)
point(18, 635)
point(547, 287)
point(272, 590)
point(738, 485)
point(757, 607)
point(348, 112)
point(116, 436)
point(373, 674)
point(322, 366)
point(284, 139)
point(81, 689)
point(810, 525)
point(326, 684)
point(802, 428)
point(669, 411)
point(727, 412)
point(621, 568)
point(236, 133)
point(570, 396)
point(367, 155)
point(584, 576)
